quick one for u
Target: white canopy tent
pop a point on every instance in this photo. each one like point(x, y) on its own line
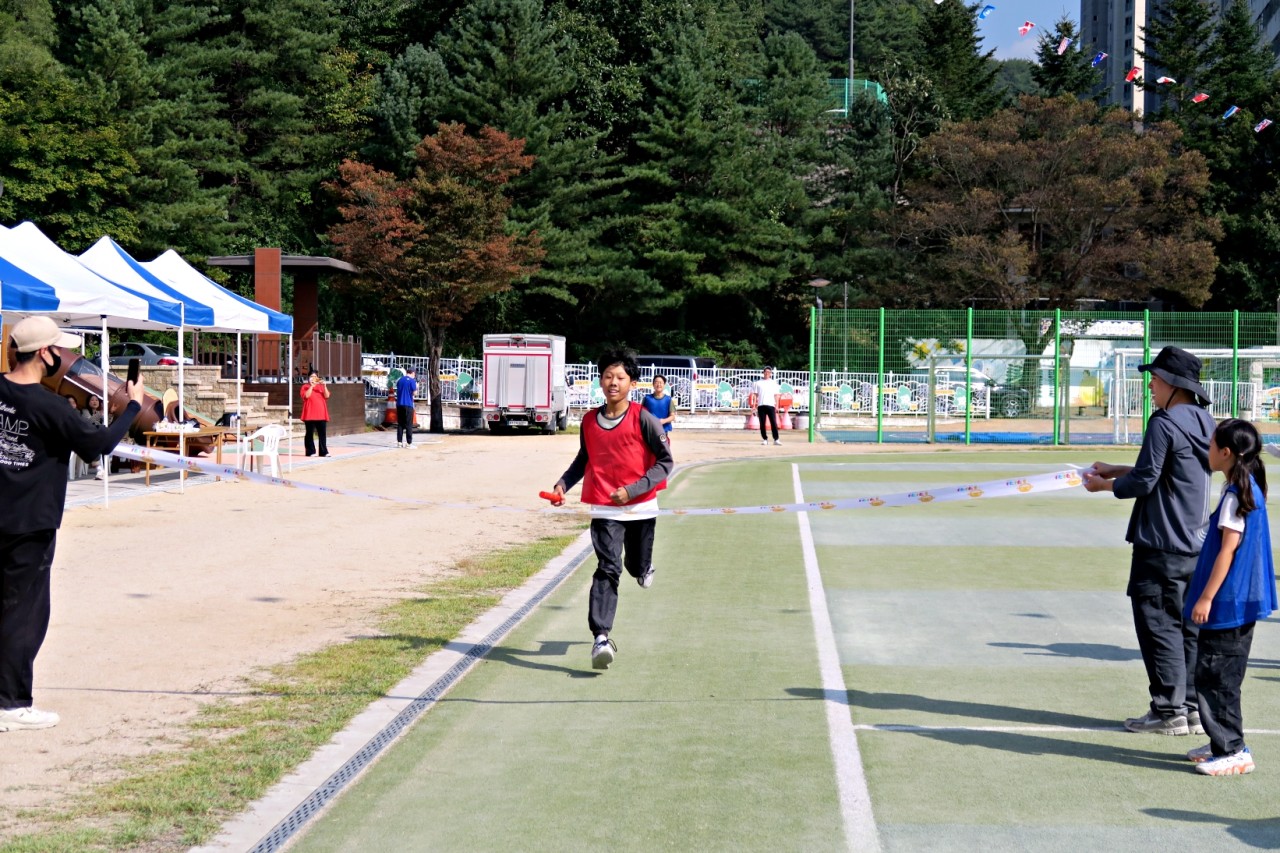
point(38, 277)
point(231, 312)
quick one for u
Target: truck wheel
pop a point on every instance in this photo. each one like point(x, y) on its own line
point(551, 425)
point(562, 421)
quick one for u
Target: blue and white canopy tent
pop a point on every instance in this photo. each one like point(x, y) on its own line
point(113, 263)
point(231, 312)
point(37, 277)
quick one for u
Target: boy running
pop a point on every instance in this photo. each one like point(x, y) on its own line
point(623, 461)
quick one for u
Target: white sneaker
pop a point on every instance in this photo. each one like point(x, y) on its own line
point(13, 719)
point(408, 446)
point(399, 444)
point(646, 579)
point(777, 443)
point(1236, 764)
point(764, 443)
point(602, 652)
point(1200, 753)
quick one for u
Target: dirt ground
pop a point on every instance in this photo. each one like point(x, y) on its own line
point(164, 601)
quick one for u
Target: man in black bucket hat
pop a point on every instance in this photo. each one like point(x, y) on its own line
point(1169, 484)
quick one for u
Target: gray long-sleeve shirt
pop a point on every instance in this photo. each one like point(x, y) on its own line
point(1170, 482)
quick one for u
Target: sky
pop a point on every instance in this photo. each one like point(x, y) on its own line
point(999, 30)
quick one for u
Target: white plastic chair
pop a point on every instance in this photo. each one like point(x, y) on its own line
point(269, 436)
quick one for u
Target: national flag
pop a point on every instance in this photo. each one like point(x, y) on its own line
point(1231, 110)
point(1262, 125)
point(1025, 28)
point(1133, 74)
point(1063, 45)
point(986, 10)
point(1165, 80)
point(1199, 97)
point(1097, 60)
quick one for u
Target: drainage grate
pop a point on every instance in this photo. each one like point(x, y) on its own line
point(332, 786)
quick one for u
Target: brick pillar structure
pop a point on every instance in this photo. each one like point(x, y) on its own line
point(306, 316)
point(266, 291)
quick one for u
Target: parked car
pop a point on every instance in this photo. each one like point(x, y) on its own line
point(682, 372)
point(1007, 401)
point(154, 354)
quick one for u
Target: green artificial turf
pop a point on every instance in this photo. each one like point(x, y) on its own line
point(987, 648)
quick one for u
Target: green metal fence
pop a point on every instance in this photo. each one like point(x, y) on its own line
point(1046, 377)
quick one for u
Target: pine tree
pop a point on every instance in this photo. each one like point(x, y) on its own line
point(964, 76)
point(1066, 73)
point(1177, 39)
point(704, 226)
point(1242, 71)
point(63, 158)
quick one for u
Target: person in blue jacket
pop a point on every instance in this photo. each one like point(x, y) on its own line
point(406, 387)
point(1169, 486)
point(661, 405)
point(1233, 587)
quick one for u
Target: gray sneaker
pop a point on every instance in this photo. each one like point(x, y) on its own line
point(602, 653)
point(1154, 725)
point(1193, 723)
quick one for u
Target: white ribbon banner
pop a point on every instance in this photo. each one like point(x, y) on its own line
point(1033, 484)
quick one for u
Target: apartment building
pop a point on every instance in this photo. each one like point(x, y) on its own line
point(1116, 28)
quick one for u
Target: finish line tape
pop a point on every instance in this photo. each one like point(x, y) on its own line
point(1033, 484)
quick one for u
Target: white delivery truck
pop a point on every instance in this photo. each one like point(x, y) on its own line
point(524, 382)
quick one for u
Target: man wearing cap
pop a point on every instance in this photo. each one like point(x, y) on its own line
point(1169, 484)
point(38, 434)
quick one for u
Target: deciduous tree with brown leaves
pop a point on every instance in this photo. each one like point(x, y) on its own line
point(1053, 201)
point(433, 245)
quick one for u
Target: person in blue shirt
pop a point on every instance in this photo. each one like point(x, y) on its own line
point(661, 405)
point(1234, 586)
point(406, 387)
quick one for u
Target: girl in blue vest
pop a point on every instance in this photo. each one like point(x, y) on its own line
point(1233, 587)
point(660, 404)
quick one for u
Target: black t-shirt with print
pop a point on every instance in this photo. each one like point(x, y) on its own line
point(38, 434)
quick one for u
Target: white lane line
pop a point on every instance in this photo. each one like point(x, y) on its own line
point(851, 783)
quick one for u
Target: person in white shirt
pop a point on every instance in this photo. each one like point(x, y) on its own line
point(767, 391)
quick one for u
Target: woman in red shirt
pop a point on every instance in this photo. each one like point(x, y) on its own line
point(315, 414)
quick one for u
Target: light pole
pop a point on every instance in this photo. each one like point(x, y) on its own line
point(844, 326)
point(816, 405)
point(850, 56)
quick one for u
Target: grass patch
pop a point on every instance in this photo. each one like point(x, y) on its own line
point(236, 749)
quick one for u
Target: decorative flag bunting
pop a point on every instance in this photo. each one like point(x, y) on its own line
point(1231, 110)
point(986, 10)
point(1165, 80)
point(1133, 74)
point(1262, 125)
point(1199, 97)
point(1025, 28)
point(1097, 60)
point(1063, 45)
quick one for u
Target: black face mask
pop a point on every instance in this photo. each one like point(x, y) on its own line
point(52, 369)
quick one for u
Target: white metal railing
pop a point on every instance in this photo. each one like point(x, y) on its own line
point(723, 390)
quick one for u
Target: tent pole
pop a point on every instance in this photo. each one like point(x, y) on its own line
point(104, 462)
point(239, 365)
point(182, 399)
point(290, 402)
